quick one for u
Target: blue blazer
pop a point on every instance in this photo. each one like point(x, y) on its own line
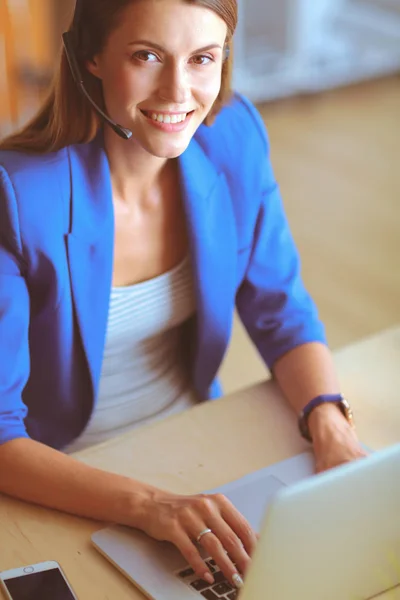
point(56, 260)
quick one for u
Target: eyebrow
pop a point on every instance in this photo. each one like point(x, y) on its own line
point(158, 47)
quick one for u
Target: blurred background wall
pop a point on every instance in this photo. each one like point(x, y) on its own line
point(325, 76)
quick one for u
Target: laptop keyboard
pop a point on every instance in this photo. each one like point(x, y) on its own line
point(221, 589)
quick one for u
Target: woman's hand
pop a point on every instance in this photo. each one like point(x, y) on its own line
point(180, 520)
point(335, 441)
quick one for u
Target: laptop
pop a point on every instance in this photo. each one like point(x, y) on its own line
point(330, 536)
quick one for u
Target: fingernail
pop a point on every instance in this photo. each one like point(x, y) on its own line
point(238, 581)
point(209, 578)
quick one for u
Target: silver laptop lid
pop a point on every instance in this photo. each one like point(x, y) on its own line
point(333, 536)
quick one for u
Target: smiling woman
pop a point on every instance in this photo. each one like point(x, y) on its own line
point(163, 67)
point(67, 117)
point(123, 257)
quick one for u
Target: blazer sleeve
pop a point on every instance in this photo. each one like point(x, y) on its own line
point(14, 318)
point(273, 304)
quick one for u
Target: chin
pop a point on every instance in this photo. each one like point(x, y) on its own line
point(167, 151)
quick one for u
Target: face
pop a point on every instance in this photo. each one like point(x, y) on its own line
point(161, 72)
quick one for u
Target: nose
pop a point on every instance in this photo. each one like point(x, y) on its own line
point(175, 84)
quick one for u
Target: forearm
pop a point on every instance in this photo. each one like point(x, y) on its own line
point(305, 373)
point(36, 473)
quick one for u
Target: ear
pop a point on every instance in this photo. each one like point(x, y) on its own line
point(93, 66)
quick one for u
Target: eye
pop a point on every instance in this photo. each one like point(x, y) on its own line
point(145, 56)
point(202, 60)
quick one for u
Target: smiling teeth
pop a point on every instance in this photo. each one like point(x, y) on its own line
point(168, 118)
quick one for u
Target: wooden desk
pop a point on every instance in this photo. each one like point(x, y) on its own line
point(210, 445)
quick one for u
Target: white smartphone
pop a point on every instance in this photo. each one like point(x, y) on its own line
point(45, 581)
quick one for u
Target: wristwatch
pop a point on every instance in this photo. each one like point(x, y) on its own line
point(340, 401)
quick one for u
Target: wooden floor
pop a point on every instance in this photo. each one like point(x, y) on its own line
point(337, 160)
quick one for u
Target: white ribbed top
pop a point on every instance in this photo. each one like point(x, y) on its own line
point(142, 378)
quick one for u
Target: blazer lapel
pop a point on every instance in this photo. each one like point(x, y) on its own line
point(90, 248)
point(212, 231)
point(213, 238)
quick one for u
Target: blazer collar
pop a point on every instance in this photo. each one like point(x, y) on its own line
point(212, 235)
point(91, 190)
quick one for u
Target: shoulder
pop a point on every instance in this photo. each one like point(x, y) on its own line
point(27, 170)
point(27, 179)
point(237, 146)
point(238, 134)
point(31, 186)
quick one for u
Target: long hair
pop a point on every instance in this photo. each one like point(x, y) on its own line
point(66, 116)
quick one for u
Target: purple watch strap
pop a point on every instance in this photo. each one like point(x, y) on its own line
point(322, 399)
point(307, 410)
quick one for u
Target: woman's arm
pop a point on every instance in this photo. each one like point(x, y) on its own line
point(38, 474)
point(303, 374)
point(279, 313)
point(306, 372)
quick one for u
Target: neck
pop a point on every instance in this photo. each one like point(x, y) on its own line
point(132, 168)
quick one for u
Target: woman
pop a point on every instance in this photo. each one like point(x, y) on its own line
point(121, 260)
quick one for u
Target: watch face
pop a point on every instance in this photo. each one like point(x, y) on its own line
point(346, 410)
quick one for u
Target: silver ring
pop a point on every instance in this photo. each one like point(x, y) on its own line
point(202, 534)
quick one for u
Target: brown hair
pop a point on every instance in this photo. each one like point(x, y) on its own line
point(66, 116)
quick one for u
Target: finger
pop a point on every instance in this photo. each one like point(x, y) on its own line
point(231, 544)
point(239, 525)
point(191, 554)
point(213, 546)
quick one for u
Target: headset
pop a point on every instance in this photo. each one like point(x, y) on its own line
point(71, 44)
point(70, 41)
